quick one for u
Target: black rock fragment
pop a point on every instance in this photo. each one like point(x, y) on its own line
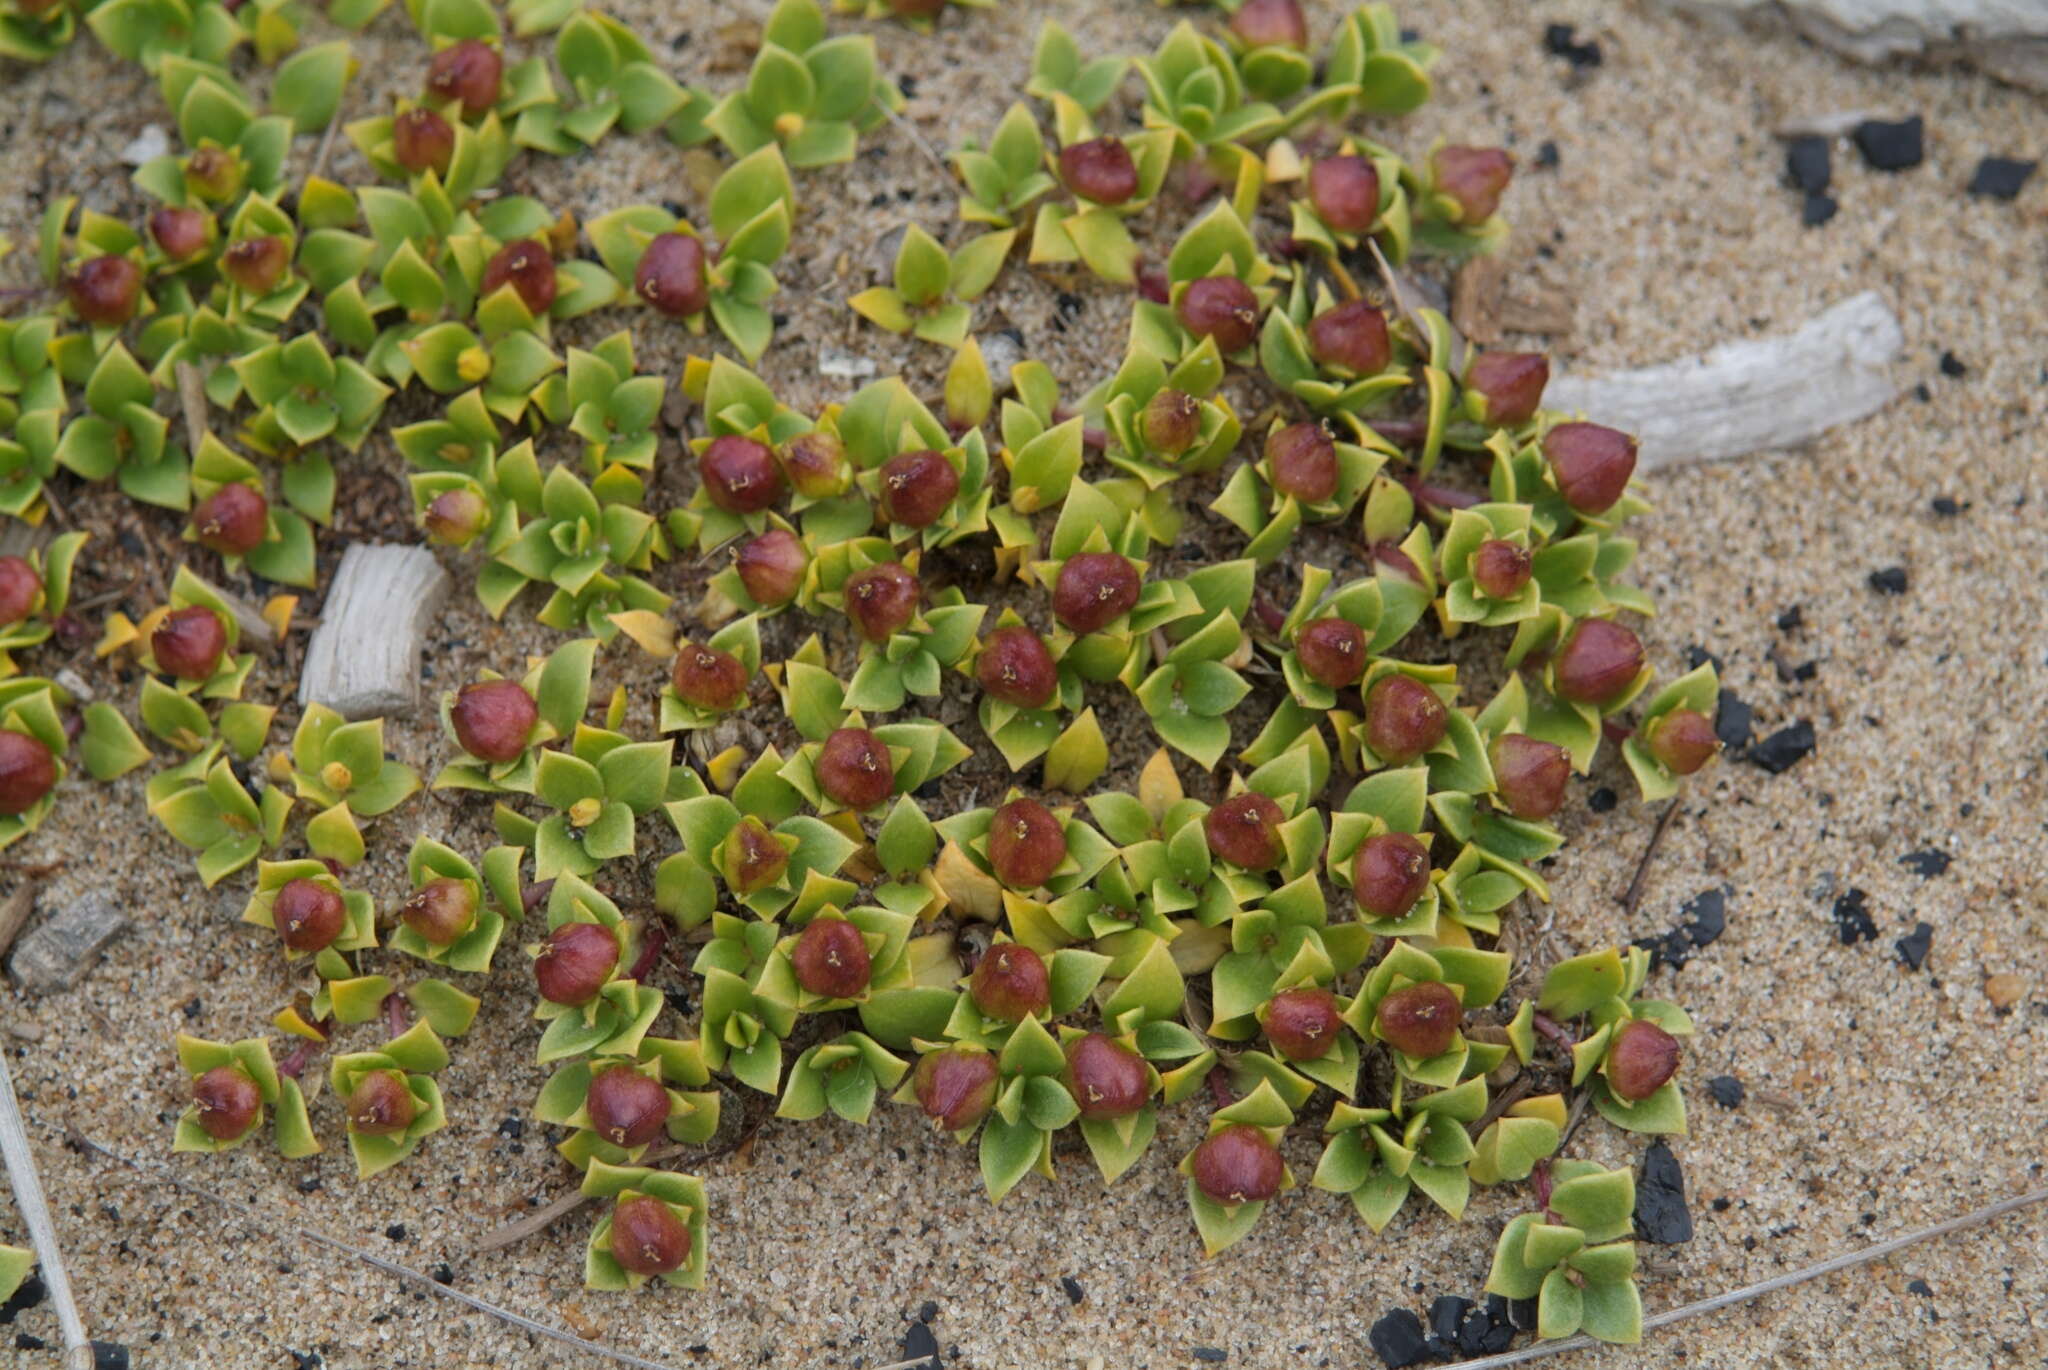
point(1944, 506)
point(1562, 40)
point(1661, 1215)
point(1915, 945)
point(1726, 1090)
point(26, 1295)
point(1889, 580)
point(1927, 863)
point(1792, 619)
point(1445, 1313)
point(1500, 1327)
point(1546, 154)
point(1601, 800)
point(1733, 721)
point(1211, 1355)
point(109, 1355)
point(1522, 1313)
point(1073, 1287)
point(1709, 916)
point(1816, 210)
point(2000, 177)
point(1697, 656)
point(1920, 1287)
point(1808, 164)
point(1953, 366)
point(920, 1345)
point(1398, 1340)
point(1891, 145)
point(1852, 918)
point(28, 1341)
point(305, 1360)
point(396, 1232)
point(926, 1311)
point(1784, 749)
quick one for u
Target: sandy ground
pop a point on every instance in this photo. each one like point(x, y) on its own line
point(1897, 1097)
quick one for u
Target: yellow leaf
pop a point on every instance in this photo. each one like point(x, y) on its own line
point(651, 632)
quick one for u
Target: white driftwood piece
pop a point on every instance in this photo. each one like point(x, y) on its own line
point(35, 1215)
point(364, 659)
point(1747, 396)
point(2006, 38)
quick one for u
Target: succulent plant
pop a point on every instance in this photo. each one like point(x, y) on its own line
point(1379, 1156)
point(1110, 180)
point(188, 646)
point(390, 1096)
point(1576, 1258)
point(1219, 287)
point(592, 556)
point(845, 1075)
point(1193, 89)
point(120, 436)
point(1003, 180)
point(455, 915)
point(1629, 1053)
point(617, 1106)
point(499, 725)
point(656, 1228)
point(235, 518)
point(232, 1083)
point(34, 31)
point(589, 1000)
point(34, 591)
point(812, 95)
point(207, 809)
point(844, 764)
point(341, 769)
point(1237, 1169)
point(1414, 1002)
point(310, 910)
point(933, 291)
point(1456, 196)
point(598, 786)
point(1058, 68)
point(744, 1022)
point(615, 80)
point(1675, 736)
point(759, 844)
point(1169, 421)
point(1305, 473)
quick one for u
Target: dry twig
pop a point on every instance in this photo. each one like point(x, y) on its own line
point(1634, 896)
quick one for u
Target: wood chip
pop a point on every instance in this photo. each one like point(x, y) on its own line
point(60, 950)
point(14, 912)
point(1476, 294)
point(2004, 38)
point(363, 661)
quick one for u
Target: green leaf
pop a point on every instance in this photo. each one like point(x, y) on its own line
point(923, 271)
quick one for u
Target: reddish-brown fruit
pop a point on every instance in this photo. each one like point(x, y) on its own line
point(1403, 718)
point(917, 9)
point(854, 769)
point(1345, 192)
point(227, 1102)
point(258, 264)
point(917, 488)
point(528, 267)
point(1171, 422)
point(308, 915)
point(881, 600)
point(1599, 661)
point(1223, 308)
point(955, 1086)
point(1332, 651)
point(815, 463)
point(1590, 464)
point(1010, 983)
point(1529, 775)
point(1640, 1058)
point(180, 231)
point(493, 719)
point(1301, 460)
point(1420, 1020)
point(831, 959)
point(1683, 741)
point(1352, 338)
point(1100, 169)
point(1016, 667)
point(1389, 872)
point(772, 567)
point(751, 858)
point(1094, 589)
point(421, 140)
point(381, 1104)
point(1270, 24)
point(1026, 843)
point(455, 517)
point(1501, 568)
point(104, 290)
point(626, 1108)
point(468, 71)
point(19, 587)
point(1474, 178)
point(440, 911)
point(1238, 1166)
point(708, 678)
point(232, 521)
point(1303, 1023)
point(575, 963)
point(647, 1236)
point(1245, 831)
point(27, 772)
point(740, 475)
point(670, 276)
point(214, 173)
point(189, 643)
point(1107, 1079)
point(1512, 384)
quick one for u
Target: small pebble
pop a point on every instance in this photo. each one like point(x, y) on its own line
point(1726, 1090)
point(1953, 366)
point(1890, 580)
point(28, 1341)
point(927, 1311)
point(1944, 506)
point(1891, 146)
point(109, 1355)
point(1733, 721)
point(1808, 164)
point(920, 1345)
point(1853, 923)
point(1816, 210)
point(1546, 154)
point(1926, 864)
point(1784, 749)
point(1661, 1215)
point(1915, 945)
point(396, 1232)
point(1792, 619)
point(2000, 178)
point(1601, 800)
point(1562, 40)
point(2003, 990)
point(1210, 1355)
point(1073, 1287)
point(1920, 1287)
point(1398, 1340)
point(1445, 1313)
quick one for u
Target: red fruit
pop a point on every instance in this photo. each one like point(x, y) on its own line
point(493, 719)
point(440, 911)
point(708, 679)
point(815, 463)
point(1010, 983)
point(1026, 843)
point(528, 267)
point(1016, 667)
point(1511, 384)
point(19, 587)
point(1529, 775)
point(421, 140)
point(1352, 338)
point(1345, 192)
point(1107, 1079)
point(1403, 718)
point(772, 567)
point(1420, 1020)
point(917, 488)
point(104, 290)
point(575, 963)
point(189, 643)
point(308, 915)
point(647, 1236)
point(1640, 1058)
point(468, 71)
point(1100, 169)
point(228, 1102)
point(1303, 1023)
point(626, 1108)
point(671, 277)
point(1501, 568)
point(854, 769)
point(1245, 831)
point(180, 231)
point(1332, 651)
point(831, 959)
point(739, 474)
point(454, 517)
point(1301, 460)
point(881, 600)
point(1599, 661)
point(232, 521)
point(1094, 589)
point(1683, 741)
point(1223, 308)
point(1389, 872)
point(1474, 178)
point(27, 772)
point(1238, 1166)
point(213, 173)
point(1270, 23)
point(750, 858)
point(1171, 422)
point(1590, 464)
point(381, 1104)
point(955, 1086)
point(256, 264)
